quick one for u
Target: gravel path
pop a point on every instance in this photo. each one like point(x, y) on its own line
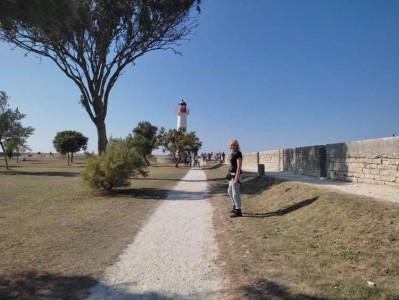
point(174, 254)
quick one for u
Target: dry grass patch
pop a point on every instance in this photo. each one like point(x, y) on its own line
point(297, 241)
point(56, 239)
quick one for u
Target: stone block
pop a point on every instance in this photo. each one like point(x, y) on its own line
point(396, 183)
point(363, 180)
point(388, 173)
point(371, 171)
point(387, 178)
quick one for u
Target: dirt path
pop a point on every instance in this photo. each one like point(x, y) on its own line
point(174, 254)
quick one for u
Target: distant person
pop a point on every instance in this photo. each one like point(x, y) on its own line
point(235, 177)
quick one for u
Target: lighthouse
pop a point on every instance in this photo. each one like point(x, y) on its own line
point(182, 113)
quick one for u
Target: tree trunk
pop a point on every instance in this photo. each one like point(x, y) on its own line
point(5, 155)
point(178, 158)
point(102, 136)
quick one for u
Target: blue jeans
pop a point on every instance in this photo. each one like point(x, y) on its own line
point(234, 193)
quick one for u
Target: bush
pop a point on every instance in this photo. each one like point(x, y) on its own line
point(113, 168)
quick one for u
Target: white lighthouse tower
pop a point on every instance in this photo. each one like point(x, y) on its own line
point(182, 113)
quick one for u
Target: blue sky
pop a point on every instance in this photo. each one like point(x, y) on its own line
point(272, 73)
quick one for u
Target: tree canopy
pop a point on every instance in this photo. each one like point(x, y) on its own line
point(144, 139)
point(12, 132)
point(69, 141)
point(92, 41)
point(16, 145)
point(179, 143)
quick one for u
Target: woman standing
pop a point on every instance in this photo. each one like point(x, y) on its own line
point(235, 175)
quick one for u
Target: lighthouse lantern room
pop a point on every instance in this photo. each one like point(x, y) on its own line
point(182, 113)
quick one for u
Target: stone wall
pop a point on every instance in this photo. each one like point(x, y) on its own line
point(165, 159)
point(310, 161)
point(272, 160)
point(250, 161)
point(373, 161)
point(370, 161)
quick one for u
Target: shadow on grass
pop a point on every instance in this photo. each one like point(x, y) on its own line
point(162, 165)
point(270, 290)
point(251, 185)
point(254, 184)
point(33, 285)
point(218, 185)
point(48, 173)
point(143, 193)
point(284, 211)
point(212, 166)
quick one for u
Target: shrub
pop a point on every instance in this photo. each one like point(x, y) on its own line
point(113, 168)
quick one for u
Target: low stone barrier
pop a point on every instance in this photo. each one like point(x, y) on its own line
point(165, 159)
point(304, 161)
point(374, 161)
point(272, 160)
point(310, 161)
point(250, 161)
point(369, 161)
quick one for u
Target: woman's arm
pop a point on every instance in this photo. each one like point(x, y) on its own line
point(238, 171)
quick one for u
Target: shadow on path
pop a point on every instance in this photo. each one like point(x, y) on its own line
point(120, 292)
point(188, 196)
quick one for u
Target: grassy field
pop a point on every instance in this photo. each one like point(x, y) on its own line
point(56, 239)
point(301, 242)
point(294, 241)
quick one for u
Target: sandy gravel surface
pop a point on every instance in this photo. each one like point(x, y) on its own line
point(174, 254)
point(378, 192)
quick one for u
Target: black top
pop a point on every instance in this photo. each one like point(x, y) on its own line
point(233, 161)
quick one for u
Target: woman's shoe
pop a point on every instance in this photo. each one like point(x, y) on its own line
point(236, 214)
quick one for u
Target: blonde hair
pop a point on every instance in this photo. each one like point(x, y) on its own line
point(234, 142)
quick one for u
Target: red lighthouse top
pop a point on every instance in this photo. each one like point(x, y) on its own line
point(182, 109)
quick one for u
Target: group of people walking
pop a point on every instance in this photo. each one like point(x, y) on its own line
point(217, 157)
